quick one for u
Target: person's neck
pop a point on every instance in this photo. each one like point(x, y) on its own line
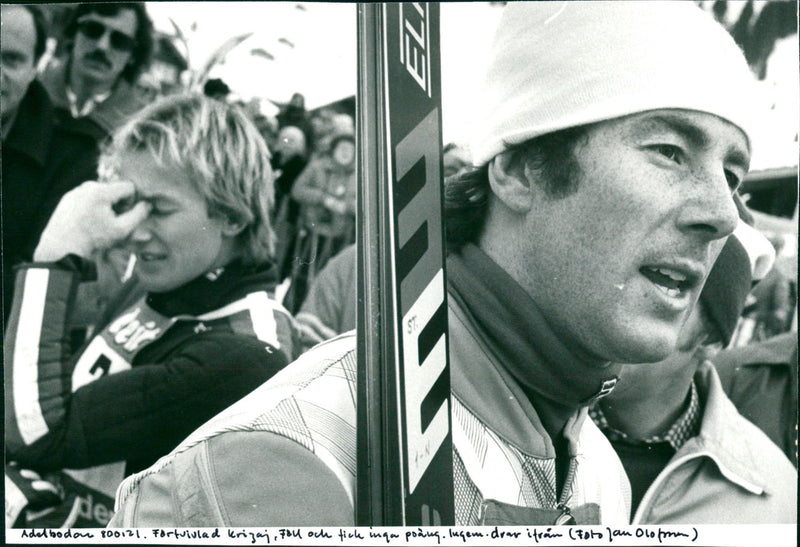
point(556, 380)
point(648, 407)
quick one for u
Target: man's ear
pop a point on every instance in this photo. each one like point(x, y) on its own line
point(509, 182)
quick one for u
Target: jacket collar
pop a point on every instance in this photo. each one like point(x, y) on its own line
point(207, 292)
point(108, 114)
point(483, 386)
point(723, 435)
point(32, 128)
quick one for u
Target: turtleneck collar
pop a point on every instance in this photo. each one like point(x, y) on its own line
point(555, 379)
point(208, 291)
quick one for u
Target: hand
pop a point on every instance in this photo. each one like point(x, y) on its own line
point(26, 489)
point(84, 221)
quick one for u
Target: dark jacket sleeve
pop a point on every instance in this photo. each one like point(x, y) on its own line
point(133, 415)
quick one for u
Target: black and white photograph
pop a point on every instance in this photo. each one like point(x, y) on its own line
point(457, 273)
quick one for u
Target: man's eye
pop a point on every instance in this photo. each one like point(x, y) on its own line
point(669, 151)
point(11, 60)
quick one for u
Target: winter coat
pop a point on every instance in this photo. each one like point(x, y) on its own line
point(761, 380)
point(41, 162)
point(731, 473)
point(302, 423)
point(149, 377)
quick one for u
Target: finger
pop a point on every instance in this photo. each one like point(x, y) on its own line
point(44, 486)
point(30, 475)
point(128, 220)
point(116, 190)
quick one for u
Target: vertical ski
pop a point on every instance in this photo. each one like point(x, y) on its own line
point(405, 474)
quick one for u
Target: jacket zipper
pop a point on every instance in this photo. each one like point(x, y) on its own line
point(566, 493)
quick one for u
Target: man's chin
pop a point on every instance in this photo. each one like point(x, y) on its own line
point(644, 347)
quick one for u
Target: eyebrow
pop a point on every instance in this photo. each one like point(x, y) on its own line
point(697, 137)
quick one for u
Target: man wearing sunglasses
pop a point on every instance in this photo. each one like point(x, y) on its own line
point(40, 161)
point(107, 47)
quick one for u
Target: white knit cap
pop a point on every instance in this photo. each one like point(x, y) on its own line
point(555, 65)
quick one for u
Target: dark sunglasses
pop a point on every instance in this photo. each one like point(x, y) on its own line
point(94, 30)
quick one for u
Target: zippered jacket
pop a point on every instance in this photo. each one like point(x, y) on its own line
point(301, 426)
point(731, 473)
point(761, 380)
point(149, 377)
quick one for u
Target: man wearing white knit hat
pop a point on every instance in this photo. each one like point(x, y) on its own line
point(611, 137)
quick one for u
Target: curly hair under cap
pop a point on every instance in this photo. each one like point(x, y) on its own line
point(466, 196)
point(221, 151)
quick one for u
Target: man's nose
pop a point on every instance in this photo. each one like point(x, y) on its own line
point(104, 41)
point(141, 233)
point(710, 210)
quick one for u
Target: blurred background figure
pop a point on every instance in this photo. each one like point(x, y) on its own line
point(326, 192)
point(329, 307)
point(761, 380)
point(289, 159)
point(148, 87)
point(327, 124)
point(41, 160)
point(105, 48)
point(773, 301)
point(294, 114)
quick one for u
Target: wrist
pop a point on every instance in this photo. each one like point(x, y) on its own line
point(52, 251)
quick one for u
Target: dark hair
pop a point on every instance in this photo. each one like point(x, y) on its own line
point(144, 37)
point(41, 27)
point(466, 196)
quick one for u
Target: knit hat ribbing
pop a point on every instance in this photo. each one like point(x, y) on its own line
point(555, 65)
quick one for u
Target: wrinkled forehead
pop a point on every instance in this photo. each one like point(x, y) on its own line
point(18, 31)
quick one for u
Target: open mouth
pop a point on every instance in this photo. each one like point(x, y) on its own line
point(671, 281)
